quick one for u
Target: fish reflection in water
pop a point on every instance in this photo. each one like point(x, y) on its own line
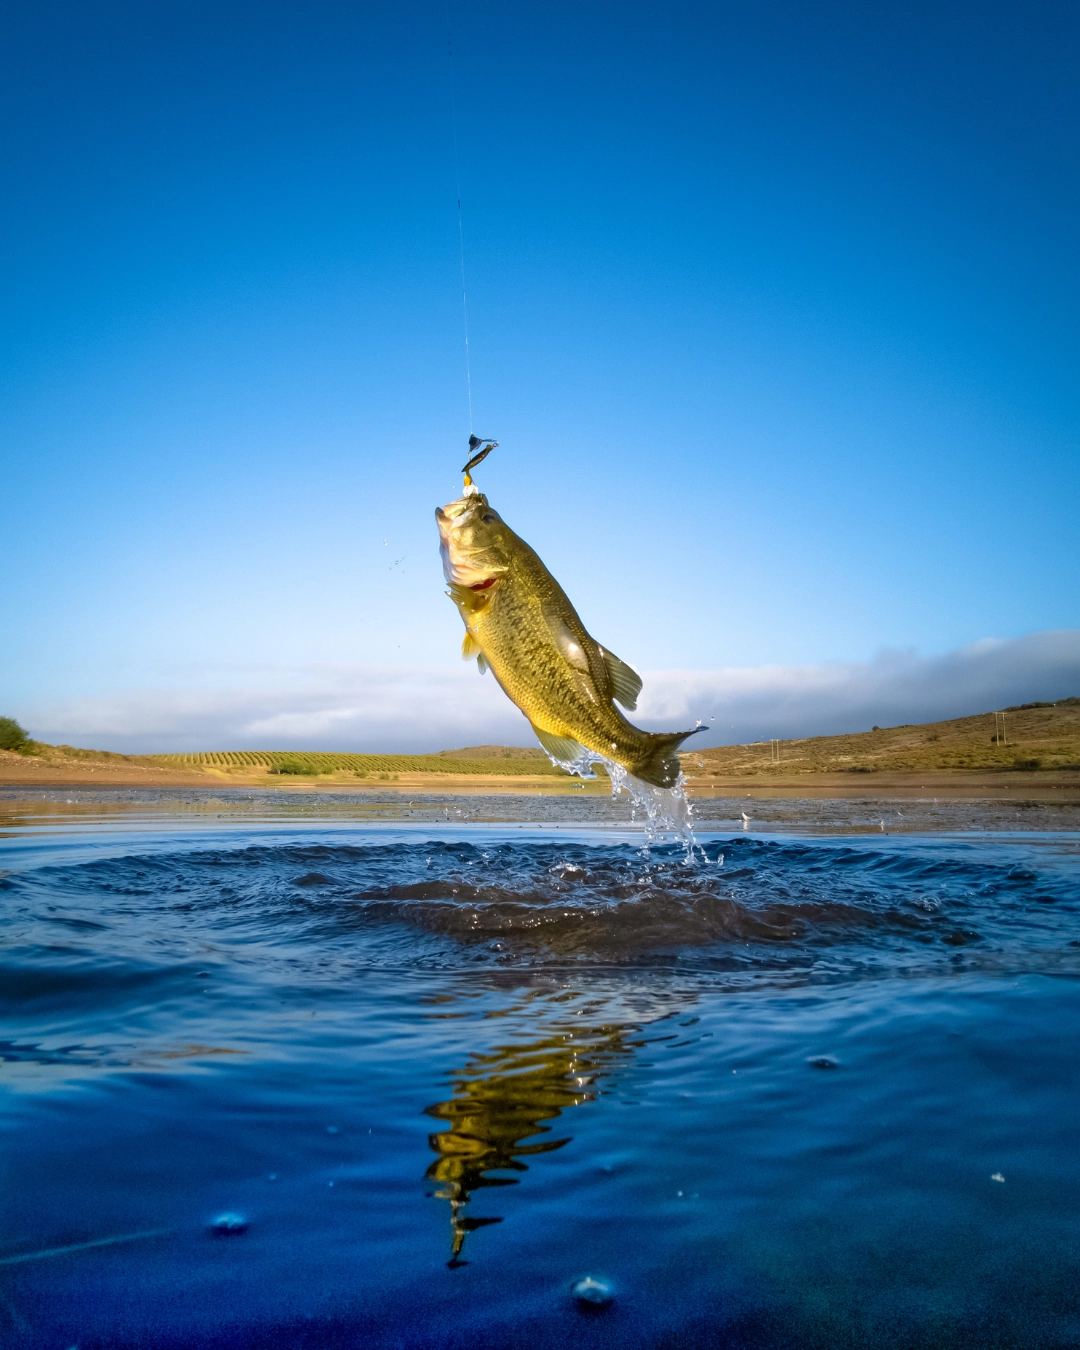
point(505, 1097)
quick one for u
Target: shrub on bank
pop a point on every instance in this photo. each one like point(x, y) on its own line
point(12, 736)
point(295, 766)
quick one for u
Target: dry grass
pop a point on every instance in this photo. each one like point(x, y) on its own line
point(1036, 737)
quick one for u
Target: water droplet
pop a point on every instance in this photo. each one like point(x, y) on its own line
point(824, 1062)
point(997, 1177)
point(229, 1225)
point(272, 1177)
point(592, 1293)
point(331, 1129)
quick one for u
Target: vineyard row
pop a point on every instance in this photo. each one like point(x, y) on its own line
point(317, 762)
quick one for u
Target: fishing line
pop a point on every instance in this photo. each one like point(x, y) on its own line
point(460, 225)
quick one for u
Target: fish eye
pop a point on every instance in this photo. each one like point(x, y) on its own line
point(487, 519)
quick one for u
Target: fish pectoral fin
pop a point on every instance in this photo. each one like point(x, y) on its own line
point(626, 683)
point(468, 600)
point(560, 748)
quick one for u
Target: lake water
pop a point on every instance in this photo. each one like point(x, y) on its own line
point(330, 1073)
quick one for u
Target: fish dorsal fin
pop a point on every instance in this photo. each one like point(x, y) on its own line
point(626, 683)
point(560, 748)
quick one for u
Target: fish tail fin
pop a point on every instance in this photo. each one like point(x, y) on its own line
point(660, 763)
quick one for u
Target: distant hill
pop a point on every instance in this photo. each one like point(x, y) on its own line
point(1028, 736)
point(500, 760)
point(495, 752)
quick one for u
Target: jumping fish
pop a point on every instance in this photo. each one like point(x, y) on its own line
point(520, 625)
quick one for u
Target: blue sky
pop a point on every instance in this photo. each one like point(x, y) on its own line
point(773, 308)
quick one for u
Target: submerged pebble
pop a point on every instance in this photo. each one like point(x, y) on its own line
point(592, 1293)
point(229, 1225)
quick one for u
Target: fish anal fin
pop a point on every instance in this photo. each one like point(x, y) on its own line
point(561, 748)
point(625, 683)
point(482, 664)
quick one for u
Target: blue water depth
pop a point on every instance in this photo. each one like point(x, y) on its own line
point(367, 1086)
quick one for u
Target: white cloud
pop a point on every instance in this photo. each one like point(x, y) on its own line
point(896, 687)
point(341, 708)
point(409, 708)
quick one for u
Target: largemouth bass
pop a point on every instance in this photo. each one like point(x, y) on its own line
point(520, 625)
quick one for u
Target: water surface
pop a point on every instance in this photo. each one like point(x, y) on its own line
point(811, 1089)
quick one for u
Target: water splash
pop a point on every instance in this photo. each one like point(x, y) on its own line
point(664, 812)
